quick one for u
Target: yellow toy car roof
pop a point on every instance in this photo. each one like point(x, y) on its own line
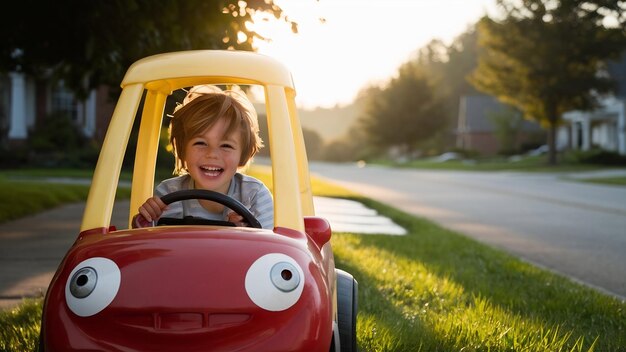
point(158, 76)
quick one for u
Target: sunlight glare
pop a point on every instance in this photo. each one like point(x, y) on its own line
point(345, 45)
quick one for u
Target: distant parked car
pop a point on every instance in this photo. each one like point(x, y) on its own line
point(541, 150)
point(447, 157)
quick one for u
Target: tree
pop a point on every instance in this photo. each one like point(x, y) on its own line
point(507, 124)
point(90, 43)
point(547, 57)
point(447, 68)
point(405, 114)
point(313, 143)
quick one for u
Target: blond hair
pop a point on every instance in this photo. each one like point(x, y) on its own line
point(201, 109)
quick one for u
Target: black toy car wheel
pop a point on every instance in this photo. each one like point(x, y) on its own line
point(347, 308)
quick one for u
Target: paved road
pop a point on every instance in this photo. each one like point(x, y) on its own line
point(577, 229)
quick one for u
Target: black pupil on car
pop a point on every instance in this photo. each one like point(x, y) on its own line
point(286, 275)
point(82, 280)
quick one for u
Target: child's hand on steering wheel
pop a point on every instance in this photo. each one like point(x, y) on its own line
point(236, 219)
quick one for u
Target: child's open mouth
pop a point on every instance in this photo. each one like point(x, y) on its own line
point(211, 171)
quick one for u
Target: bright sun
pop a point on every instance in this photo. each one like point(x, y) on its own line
point(358, 42)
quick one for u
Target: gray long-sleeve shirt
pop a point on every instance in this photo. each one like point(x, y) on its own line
point(251, 192)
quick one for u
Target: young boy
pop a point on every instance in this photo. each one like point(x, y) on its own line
point(213, 134)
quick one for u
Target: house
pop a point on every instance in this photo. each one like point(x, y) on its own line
point(25, 101)
point(604, 127)
point(488, 127)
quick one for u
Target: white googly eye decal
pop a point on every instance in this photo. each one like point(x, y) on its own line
point(274, 282)
point(92, 286)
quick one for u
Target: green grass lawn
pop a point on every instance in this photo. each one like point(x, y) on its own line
point(24, 198)
point(29, 195)
point(436, 290)
point(614, 181)
point(523, 164)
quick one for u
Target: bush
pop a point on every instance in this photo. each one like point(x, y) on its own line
point(466, 153)
point(338, 151)
point(595, 157)
point(58, 142)
point(57, 132)
point(11, 158)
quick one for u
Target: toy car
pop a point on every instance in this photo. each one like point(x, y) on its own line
point(198, 287)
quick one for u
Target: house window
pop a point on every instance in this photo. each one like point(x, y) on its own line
point(63, 101)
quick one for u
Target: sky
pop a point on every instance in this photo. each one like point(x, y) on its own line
point(360, 42)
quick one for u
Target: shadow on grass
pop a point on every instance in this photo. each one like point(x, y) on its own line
point(382, 325)
point(490, 276)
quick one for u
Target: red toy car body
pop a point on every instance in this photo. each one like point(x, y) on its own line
point(196, 287)
point(185, 289)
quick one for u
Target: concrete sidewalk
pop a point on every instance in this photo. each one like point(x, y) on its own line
point(32, 248)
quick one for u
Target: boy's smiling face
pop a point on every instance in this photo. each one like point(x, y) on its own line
point(212, 158)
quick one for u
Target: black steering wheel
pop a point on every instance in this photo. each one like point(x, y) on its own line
point(217, 197)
